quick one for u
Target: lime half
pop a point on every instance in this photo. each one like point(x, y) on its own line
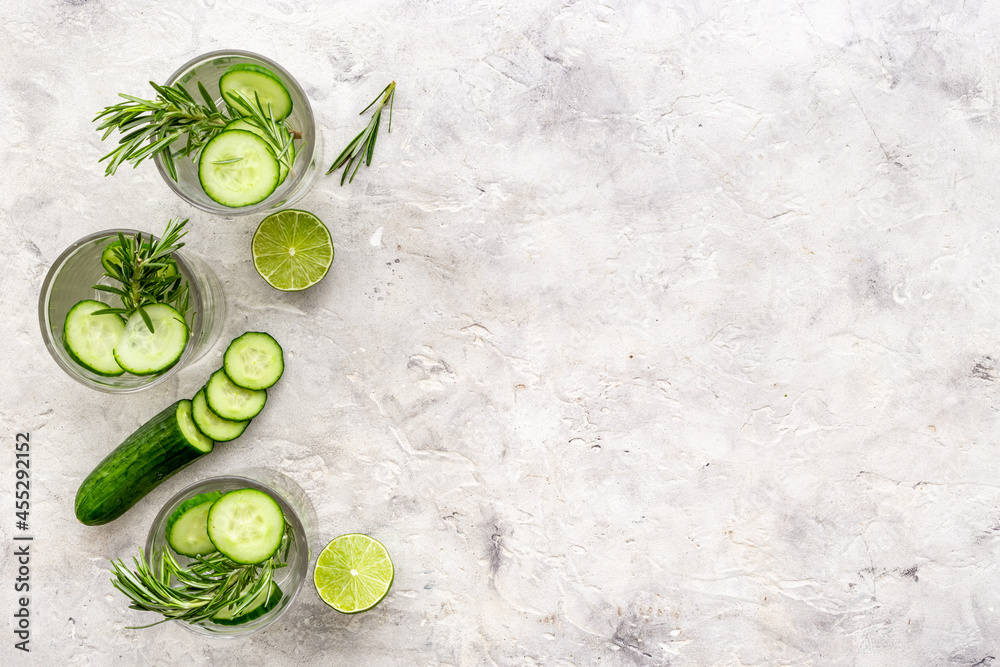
point(353, 573)
point(292, 250)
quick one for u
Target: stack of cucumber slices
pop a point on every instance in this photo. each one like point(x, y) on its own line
point(253, 155)
point(183, 432)
point(246, 526)
point(237, 392)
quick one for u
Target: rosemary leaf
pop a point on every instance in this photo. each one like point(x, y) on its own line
point(108, 288)
point(362, 147)
point(200, 590)
point(278, 135)
point(172, 114)
point(138, 265)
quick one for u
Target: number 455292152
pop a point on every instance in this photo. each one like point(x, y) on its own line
point(22, 486)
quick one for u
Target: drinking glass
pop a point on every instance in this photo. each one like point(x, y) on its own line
point(208, 69)
point(296, 508)
point(71, 279)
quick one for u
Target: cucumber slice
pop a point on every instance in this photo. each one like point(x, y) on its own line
point(142, 352)
point(254, 361)
point(240, 124)
point(158, 449)
point(211, 424)
point(238, 168)
point(109, 258)
point(254, 80)
point(246, 526)
point(185, 422)
point(263, 602)
point(90, 339)
point(230, 402)
point(187, 527)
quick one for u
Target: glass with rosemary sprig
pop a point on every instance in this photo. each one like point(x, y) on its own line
point(200, 77)
point(199, 592)
point(142, 271)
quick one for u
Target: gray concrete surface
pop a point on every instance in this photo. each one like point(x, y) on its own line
point(659, 333)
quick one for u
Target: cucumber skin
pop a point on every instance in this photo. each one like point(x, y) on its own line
point(146, 458)
point(223, 371)
point(273, 598)
point(244, 422)
point(163, 369)
point(259, 69)
point(225, 356)
point(72, 354)
point(202, 177)
point(200, 499)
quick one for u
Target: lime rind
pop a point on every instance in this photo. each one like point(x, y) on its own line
point(353, 573)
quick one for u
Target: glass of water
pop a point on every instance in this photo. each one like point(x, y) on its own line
point(208, 69)
point(71, 279)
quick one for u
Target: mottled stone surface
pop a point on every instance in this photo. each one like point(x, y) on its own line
point(659, 333)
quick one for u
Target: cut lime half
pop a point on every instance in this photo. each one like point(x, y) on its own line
point(353, 573)
point(292, 250)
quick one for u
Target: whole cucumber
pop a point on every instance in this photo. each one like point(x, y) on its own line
point(158, 449)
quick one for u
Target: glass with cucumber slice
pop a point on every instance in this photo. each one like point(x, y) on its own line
point(237, 524)
point(117, 352)
point(245, 168)
point(152, 301)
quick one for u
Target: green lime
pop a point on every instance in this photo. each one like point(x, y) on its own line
point(292, 250)
point(353, 573)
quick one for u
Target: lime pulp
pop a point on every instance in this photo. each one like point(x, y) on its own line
point(353, 573)
point(292, 250)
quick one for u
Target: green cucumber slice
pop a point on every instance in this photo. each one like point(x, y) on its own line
point(187, 527)
point(211, 424)
point(90, 339)
point(246, 526)
point(142, 352)
point(254, 80)
point(194, 437)
point(230, 402)
point(238, 168)
point(254, 361)
point(241, 124)
point(263, 602)
point(170, 270)
point(109, 258)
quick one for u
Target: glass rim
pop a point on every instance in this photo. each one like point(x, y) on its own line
point(309, 149)
point(297, 527)
point(51, 340)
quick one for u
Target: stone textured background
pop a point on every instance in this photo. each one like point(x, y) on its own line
point(659, 333)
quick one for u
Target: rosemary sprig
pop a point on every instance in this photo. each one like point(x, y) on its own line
point(139, 265)
point(149, 127)
point(203, 588)
point(278, 134)
point(362, 146)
